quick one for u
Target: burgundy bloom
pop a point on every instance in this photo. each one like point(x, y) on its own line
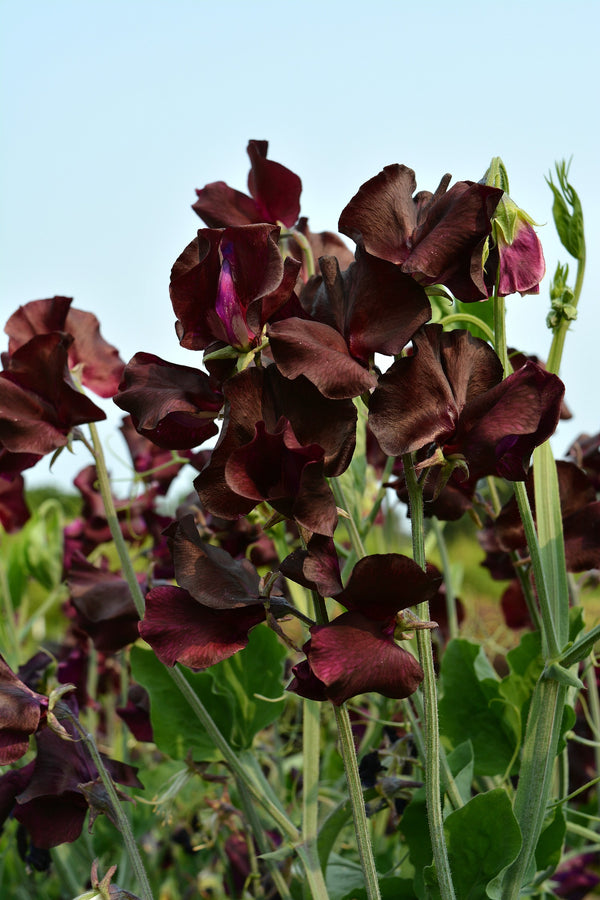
point(173, 406)
point(136, 714)
point(227, 283)
point(580, 515)
point(270, 449)
point(103, 605)
point(437, 238)
point(275, 195)
point(208, 617)
point(13, 508)
point(39, 404)
point(450, 394)
point(100, 364)
point(47, 796)
point(372, 307)
point(356, 652)
point(585, 451)
point(21, 713)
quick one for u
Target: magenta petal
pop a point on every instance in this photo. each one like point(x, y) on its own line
point(179, 629)
point(352, 655)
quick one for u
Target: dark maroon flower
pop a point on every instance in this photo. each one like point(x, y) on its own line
point(356, 652)
point(450, 395)
point(580, 514)
point(46, 796)
point(173, 406)
point(208, 617)
point(437, 238)
point(266, 419)
point(227, 283)
point(136, 714)
point(103, 603)
point(39, 404)
point(275, 195)
point(516, 249)
point(585, 452)
point(152, 464)
point(514, 606)
point(13, 508)
point(372, 307)
point(518, 360)
point(316, 568)
point(99, 362)
point(21, 713)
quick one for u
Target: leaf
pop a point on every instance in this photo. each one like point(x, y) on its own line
point(483, 838)
point(567, 212)
point(484, 310)
point(44, 544)
point(468, 711)
point(248, 676)
point(460, 762)
point(177, 731)
point(390, 889)
point(549, 846)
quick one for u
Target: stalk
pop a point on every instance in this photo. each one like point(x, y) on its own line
point(432, 736)
point(535, 781)
point(115, 803)
point(311, 739)
point(361, 825)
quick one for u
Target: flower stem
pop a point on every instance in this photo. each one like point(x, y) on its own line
point(560, 333)
point(361, 825)
point(113, 523)
point(311, 739)
point(115, 803)
point(535, 780)
point(432, 737)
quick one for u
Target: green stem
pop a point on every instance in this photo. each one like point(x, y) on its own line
point(311, 737)
point(432, 736)
point(500, 343)
point(342, 503)
point(535, 780)
point(473, 320)
point(560, 333)
point(549, 636)
point(115, 803)
point(230, 757)
point(361, 825)
point(446, 569)
point(113, 523)
point(261, 840)
point(370, 518)
point(594, 708)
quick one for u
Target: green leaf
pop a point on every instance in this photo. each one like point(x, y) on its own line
point(461, 764)
point(248, 676)
point(567, 212)
point(551, 541)
point(177, 732)
point(483, 838)
point(484, 310)
point(473, 708)
point(44, 544)
point(390, 889)
point(549, 847)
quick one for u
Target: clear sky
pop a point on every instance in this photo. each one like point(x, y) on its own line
point(114, 111)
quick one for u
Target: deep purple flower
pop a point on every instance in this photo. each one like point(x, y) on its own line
point(22, 711)
point(270, 449)
point(437, 238)
point(39, 404)
point(449, 396)
point(372, 307)
point(174, 406)
point(99, 362)
point(227, 283)
point(13, 508)
point(208, 617)
point(103, 605)
point(356, 652)
point(516, 259)
point(48, 796)
point(275, 195)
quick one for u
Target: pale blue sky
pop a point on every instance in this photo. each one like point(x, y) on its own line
point(114, 112)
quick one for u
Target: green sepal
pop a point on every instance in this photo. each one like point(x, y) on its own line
point(555, 672)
